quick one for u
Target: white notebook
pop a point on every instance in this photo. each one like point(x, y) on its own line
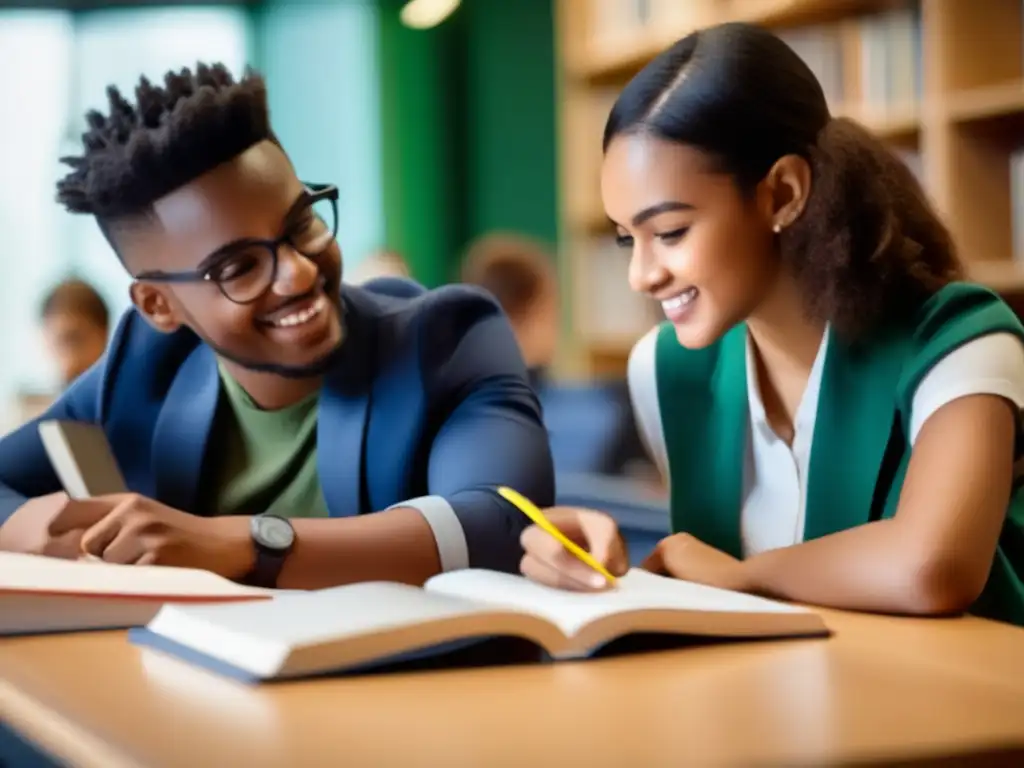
point(364, 625)
point(44, 594)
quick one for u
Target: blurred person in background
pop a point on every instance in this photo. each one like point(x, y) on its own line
point(518, 271)
point(274, 426)
point(384, 263)
point(75, 324)
point(591, 425)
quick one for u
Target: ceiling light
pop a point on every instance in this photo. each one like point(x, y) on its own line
point(424, 14)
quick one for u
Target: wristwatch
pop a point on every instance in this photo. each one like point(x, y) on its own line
point(273, 538)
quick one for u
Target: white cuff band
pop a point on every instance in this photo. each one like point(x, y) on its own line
point(451, 539)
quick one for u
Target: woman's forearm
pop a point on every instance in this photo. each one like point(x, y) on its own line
point(873, 567)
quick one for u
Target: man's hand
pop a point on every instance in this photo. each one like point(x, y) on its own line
point(684, 557)
point(141, 531)
point(51, 525)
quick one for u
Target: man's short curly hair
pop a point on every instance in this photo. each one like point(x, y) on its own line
point(137, 153)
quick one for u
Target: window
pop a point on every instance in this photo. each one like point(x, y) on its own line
point(53, 67)
point(325, 106)
point(116, 47)
point(35, 68)
point(320, 63)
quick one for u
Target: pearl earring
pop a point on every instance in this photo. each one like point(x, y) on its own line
point(777, 228)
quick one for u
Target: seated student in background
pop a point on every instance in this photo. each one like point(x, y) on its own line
point(246, 380)
point(838, 415)
point(519, 273)
point(592, 427)
point(378, 264)
point(75, 323)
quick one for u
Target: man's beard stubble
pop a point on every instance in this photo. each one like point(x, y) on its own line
point(311, 370)
point(314, 369)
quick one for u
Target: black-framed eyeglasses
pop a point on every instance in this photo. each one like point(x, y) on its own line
point(245, 269)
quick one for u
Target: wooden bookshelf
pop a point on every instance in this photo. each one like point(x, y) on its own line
point(941, 81)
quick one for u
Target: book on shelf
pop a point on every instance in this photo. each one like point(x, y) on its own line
point(870, 64)
point(583, 155)
point(362, 626)
point(1017, 202)
point(913, 160)
point(616, 24)
point(821, 48)
point(613, 309)
point(891, 59)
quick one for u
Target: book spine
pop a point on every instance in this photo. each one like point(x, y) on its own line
point(1017, 203)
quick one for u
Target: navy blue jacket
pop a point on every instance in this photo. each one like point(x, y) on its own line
point(428, 406)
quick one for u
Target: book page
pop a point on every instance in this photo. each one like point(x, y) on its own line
point(571, 611)
point(31, 573)
point(307, 618)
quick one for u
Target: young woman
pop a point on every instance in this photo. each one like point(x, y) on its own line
point(837, 416)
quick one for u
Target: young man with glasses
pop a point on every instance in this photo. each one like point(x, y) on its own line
point(259, 410)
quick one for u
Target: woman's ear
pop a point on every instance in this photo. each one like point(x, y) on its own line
point(789, 185)
point(155, 307)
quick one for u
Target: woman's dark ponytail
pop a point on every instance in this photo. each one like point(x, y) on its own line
point(868, 244)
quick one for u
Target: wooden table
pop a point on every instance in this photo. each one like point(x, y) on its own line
point(880, 690)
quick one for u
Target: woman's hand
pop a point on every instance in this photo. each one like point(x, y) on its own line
point(548, 562)
point(684, 557)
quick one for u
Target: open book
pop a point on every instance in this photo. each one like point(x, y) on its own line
point(364, 625)
point(44, 594)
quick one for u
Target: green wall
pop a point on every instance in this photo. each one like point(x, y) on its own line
point(453, 138)
point(420, 104)
point(434, 136)
point(468, 122)
point(511, 117)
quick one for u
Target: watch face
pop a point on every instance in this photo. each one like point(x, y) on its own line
point(273, 532)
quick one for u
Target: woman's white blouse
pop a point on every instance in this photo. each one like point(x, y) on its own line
point(774, 473)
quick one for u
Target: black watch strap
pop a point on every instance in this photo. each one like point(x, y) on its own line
point(272, 538)
point(266, 569)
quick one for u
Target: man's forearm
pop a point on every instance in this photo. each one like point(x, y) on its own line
point(394, 545)
point(872, 567)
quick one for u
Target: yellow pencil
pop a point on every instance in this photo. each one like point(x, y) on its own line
point(531, 510)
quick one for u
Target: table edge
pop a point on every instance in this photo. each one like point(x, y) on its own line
point(47, 730)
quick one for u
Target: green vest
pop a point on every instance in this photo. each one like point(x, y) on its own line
point(860, 449)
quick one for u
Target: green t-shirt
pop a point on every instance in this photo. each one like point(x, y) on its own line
point(268, 462)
